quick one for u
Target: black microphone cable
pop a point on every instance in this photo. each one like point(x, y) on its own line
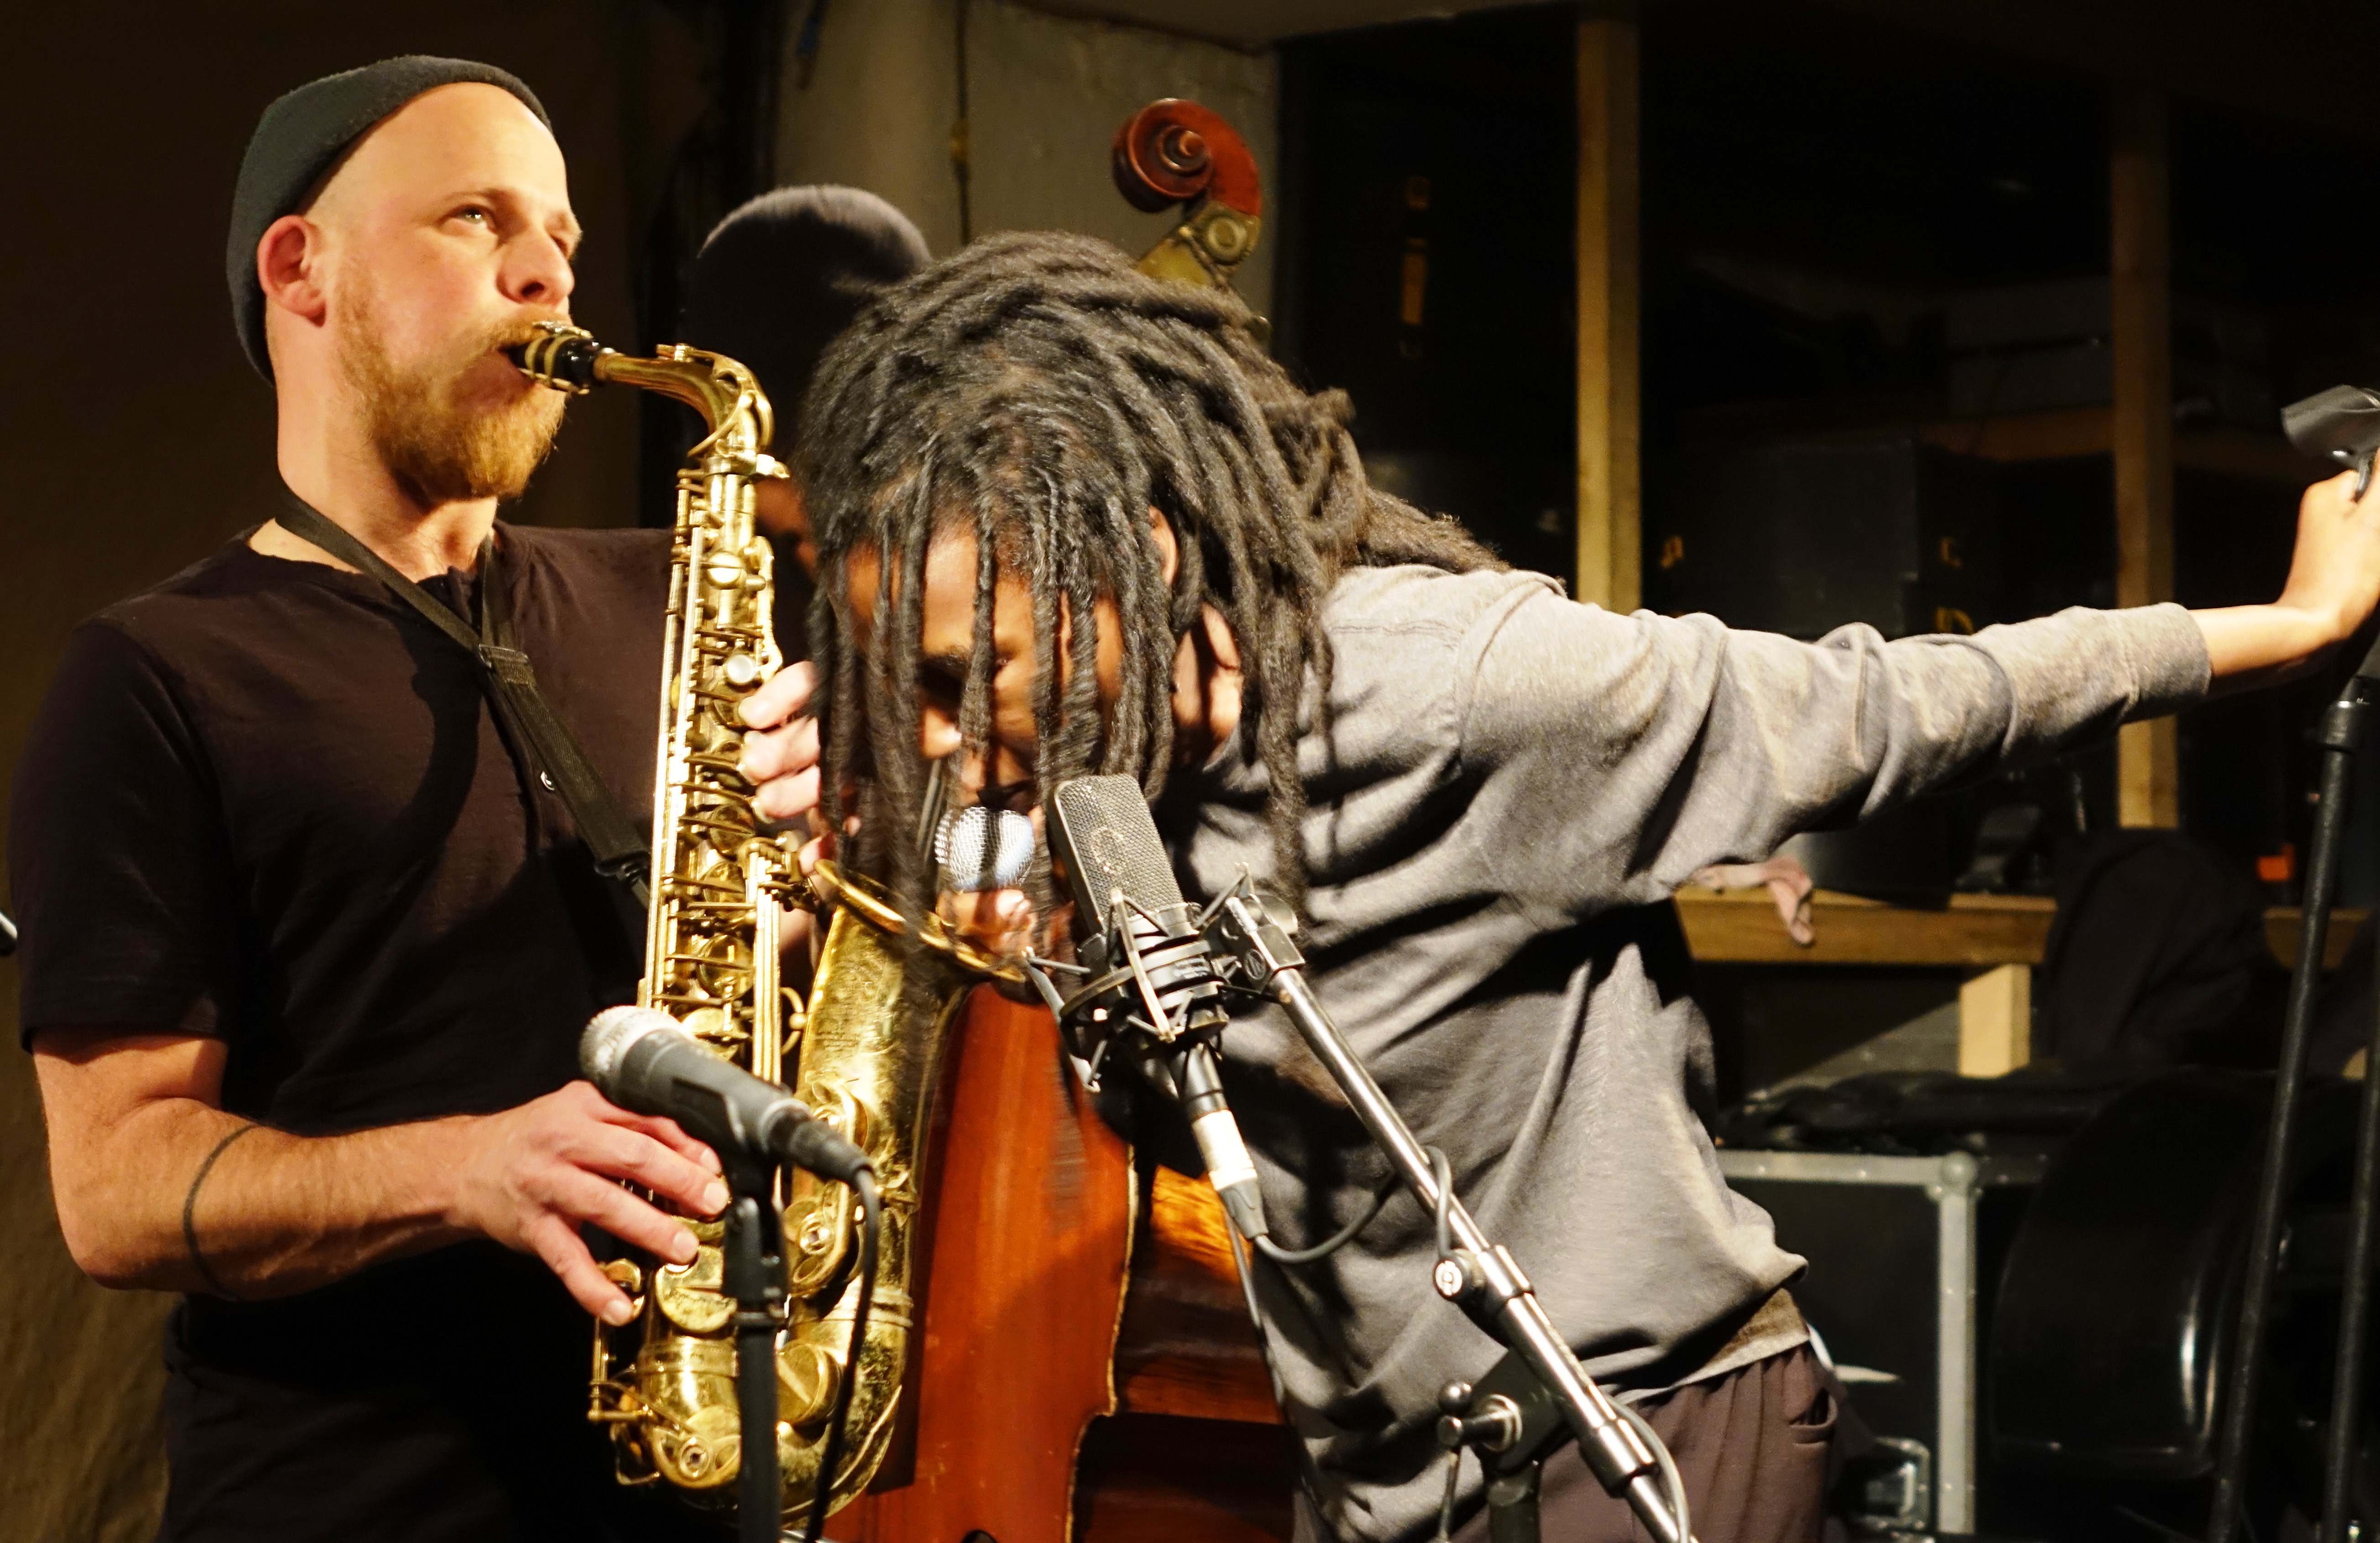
point(863, 1185)
point(1337, 1240)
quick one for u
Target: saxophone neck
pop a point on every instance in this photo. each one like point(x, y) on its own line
point(724, 391)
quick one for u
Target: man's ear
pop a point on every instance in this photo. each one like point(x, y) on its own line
point(1169, 552)
point(289, 261)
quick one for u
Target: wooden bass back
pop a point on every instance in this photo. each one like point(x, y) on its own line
point(1086, 1371)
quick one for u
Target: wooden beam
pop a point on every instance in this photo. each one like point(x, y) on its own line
point(2229, 450)
point(1609, 514)
point(1995, 1022)
point(2054, 433)
point(2147, 769)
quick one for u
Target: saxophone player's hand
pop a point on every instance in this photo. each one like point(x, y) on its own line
point(781, 752)
point(780, 761)
point(529, 1177)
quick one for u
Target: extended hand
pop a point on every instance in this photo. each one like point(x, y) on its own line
point(2334, 583)
point(2335, 571)
point(534, 1172)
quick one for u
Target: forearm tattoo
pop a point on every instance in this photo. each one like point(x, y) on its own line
point(190, 1214)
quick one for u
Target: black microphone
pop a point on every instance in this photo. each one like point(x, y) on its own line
point(2341, 424)
point(1142, 937)
point(642, 1060)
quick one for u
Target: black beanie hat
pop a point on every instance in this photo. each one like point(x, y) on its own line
point(783, 274)
point(301, 136)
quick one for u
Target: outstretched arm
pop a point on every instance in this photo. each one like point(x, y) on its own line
point(1633, 750)
point(158, 1187)
point(2334, 578)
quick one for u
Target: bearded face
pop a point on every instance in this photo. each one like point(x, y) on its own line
point(432, 420)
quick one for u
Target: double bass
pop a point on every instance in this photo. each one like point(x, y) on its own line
point(1085, 1368)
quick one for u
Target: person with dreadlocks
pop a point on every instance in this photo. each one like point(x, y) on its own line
point(1071, 520)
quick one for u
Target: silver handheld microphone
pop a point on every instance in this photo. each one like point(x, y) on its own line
point(980, 847)
point(642, 1060)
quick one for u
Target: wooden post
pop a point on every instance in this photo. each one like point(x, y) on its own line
point(1609, 518)
point(1995, 1022)
point(2147, 769)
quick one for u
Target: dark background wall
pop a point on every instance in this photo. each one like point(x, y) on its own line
point(134, 438)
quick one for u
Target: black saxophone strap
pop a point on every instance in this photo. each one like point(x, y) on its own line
point(619, 853)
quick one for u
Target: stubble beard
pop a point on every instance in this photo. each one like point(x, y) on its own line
point(439, 449)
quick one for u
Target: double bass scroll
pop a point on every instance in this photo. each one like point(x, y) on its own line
point(1176, 152)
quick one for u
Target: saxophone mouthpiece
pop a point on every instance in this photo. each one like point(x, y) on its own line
point(560, 355)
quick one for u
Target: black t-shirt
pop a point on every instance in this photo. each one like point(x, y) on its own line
point(266, 801)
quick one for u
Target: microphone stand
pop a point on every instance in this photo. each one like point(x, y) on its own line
point(2339, 732)
point(1475, 1274)
point(754, 1268)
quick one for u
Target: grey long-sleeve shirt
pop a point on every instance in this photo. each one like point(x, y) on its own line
point(1513, 785)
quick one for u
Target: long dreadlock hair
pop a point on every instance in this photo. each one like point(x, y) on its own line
point(1034, 390)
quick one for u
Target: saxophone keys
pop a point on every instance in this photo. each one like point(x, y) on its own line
point(628, 1276)
point(711, 1024)
point(692, 1296)
point(808, 1374)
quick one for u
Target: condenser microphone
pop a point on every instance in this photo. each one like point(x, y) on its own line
point(642, 1060)
point(1136, 931)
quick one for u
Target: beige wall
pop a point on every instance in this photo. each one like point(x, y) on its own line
point(134, 438)
point(1046, 95)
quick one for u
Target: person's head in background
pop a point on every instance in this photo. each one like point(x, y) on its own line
point(773, 285)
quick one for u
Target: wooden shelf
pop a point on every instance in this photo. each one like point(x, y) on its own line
point(1740, 927)
point(1976, 931)
point(2284, 923)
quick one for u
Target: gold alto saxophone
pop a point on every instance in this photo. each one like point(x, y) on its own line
point(665, 1384)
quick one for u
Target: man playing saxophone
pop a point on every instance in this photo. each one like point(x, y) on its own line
point(308, 943)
